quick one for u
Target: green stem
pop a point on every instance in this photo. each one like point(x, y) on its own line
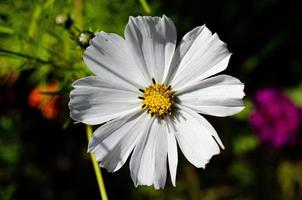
point(97, 169)
point(145, 6)
point(78, 12)
point(28, 57)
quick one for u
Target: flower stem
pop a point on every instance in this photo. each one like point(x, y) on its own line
point(22, 55)
point(145, 6)
point(96, 167)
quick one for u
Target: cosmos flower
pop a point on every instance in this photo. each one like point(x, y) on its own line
point(276, 118)
point(149, 93)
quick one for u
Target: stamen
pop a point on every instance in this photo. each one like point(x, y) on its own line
point(141, 90)
point(158, 99)
point(153, 81)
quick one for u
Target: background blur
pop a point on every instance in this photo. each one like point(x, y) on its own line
point(43, 153)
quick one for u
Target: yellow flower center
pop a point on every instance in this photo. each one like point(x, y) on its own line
point(157, 99)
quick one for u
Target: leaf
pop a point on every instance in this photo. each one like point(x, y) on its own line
point(296, 94)
point(6, 30)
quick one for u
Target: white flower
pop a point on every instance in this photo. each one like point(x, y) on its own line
point(149, 93)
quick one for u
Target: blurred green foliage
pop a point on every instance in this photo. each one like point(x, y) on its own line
point(35, 36)
point(296, 94)
point(290, 179)
point(9, 156)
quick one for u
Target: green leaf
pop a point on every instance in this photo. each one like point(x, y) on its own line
point(296, 94)
point(6, 30)
point(244, 114)
point(245, 143)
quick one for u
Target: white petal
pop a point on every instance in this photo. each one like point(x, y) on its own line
point(181, 50)
point(195, 137)
point(109, 56)
point(113, 142)
point(172, 153)
point(153, 40)
point(199, 55)
point(148, 164)
point(218, 96)
point(95, 100)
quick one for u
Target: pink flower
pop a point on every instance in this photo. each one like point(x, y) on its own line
point(276, 118)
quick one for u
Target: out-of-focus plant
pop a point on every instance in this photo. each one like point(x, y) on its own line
point(45, 98)
point(276, 118)
point(10, 152)
point(45, 37)
point(290, 179)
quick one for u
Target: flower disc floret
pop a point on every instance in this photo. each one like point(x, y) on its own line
point(158, 99)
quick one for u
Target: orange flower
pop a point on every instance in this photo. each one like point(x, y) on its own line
point(46, 103)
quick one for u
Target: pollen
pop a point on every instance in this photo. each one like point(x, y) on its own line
point(157, 99)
